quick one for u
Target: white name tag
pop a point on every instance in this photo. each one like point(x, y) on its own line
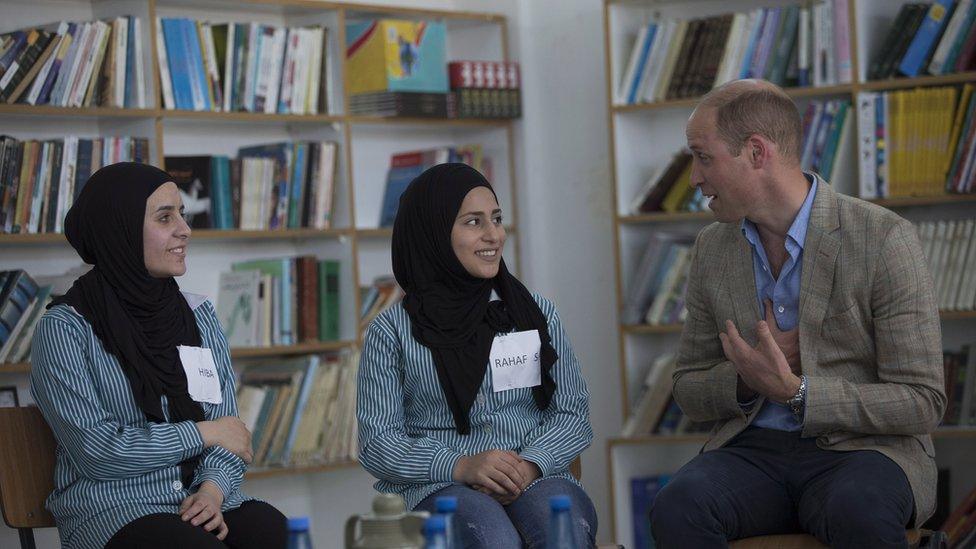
point(515, 360)
point(202, 380)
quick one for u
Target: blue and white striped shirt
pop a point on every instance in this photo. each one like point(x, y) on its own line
point(406, 431)
point(113, 466)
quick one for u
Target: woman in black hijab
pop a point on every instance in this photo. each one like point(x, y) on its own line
point(134, 378)
point(469, 388)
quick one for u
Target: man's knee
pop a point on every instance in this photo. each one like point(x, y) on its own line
point(679, 506)
point(864, 515)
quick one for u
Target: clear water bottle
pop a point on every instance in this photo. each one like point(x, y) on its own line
point(434, 532)
point(447, 507)
point(298, 536)
point(561, 532)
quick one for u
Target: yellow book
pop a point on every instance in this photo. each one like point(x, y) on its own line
point(397, 56)
point(946, 108)
point(678, 193)
point(967, 92)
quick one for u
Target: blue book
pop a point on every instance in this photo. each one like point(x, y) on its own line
point(253, 56)
point(298, 184)
point(926, 38)
point(20, 42)
point(220, 193)
point(645, 54)
point(282, 154)
point(58, 90)
point(130, 64)
point(308, 380)
point(178, 61)
point(397, 180)
point(643, 490)
point(52, 75)
point(765, 45)
point(18, 290)
point(198, 74)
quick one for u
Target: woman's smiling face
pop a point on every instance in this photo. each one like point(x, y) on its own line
point(478, 235)
point(165, 234)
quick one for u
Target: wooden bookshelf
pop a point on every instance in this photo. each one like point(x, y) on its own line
point(898, 83)
point(15, 368)
point(651, 329)
point(428, 122)
point(199, 234)
point(285, 350)
point(663, 217)
point(86, 112)
point(807, 91)
point(257, 117)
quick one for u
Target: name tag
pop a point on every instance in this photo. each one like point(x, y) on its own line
point(202, 380)
point(515, 360)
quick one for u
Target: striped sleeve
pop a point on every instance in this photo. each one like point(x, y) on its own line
point(99, 447)
point(219, 465)
point(565, 430)
point(386, 450)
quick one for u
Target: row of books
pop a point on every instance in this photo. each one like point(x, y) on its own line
point(950, 250)
point(274, 186)
point(655, 411)
point(928, 38)
point(39, 180)
point(300, 411)
point(460, 103)
point(251, 67)
point(379, 296)
point(825, 127)
point(280, 301)
point(917, 142)
point(405, 166)
point(82, 64)
point(22, 302)
point(791, 46)
point(960, 386)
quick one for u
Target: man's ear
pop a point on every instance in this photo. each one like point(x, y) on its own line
point(759, 150)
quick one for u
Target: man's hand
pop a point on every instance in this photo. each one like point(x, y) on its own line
point(203, 509)
point(763, 368)
point(788, 342)
point(530, 471)
point(495, 470)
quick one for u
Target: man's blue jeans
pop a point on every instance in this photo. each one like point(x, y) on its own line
point(484, 523)
point(775, 482)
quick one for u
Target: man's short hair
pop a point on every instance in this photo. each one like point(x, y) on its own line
point(762, 109)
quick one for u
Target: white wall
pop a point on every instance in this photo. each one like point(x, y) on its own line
point(566, 243)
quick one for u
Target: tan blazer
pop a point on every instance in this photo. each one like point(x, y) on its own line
point(870, 339)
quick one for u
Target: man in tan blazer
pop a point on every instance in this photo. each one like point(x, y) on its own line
point(812, 340)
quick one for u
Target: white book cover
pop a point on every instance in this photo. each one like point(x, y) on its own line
point(326, 184)
point(164, 78)
point(670, 60)
point(288, 74)
point(229, 68)
point(121, 35)
point(140, 66)
point(313, 78)
point(955, 26)
point(90, 74)
point(926, 234)
point(867, 146)
point(623, 90)
point(237, 307)
point(668, 286)
point(265, 58)
point(803, 41)
point(733, 47)
point(210, 64)
point(78, 64)
point(841, 40)
point(249, 401)
point(305, 68)
point(943, 234)
point(274, 76)
point(66, 187)
point(953, 251)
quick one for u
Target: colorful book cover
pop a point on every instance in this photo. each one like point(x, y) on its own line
point(396, 55)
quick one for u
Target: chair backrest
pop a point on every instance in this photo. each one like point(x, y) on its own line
point(576, 468)
point(26, 467)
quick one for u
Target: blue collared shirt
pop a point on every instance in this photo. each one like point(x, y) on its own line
point(784, 292)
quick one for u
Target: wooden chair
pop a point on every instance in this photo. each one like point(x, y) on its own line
point(916, 538)
point(576, 468)
point(26, 471)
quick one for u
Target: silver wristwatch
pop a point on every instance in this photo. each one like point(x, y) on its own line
point(797, 401)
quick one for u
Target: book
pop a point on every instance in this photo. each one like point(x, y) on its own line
point(237, 307)
point(192, 174)
point(925, 38)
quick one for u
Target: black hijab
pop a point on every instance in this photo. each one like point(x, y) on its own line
point(449, 309)
point(138, 318)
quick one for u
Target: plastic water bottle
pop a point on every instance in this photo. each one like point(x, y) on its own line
point(434, 532)
point(446, 506)
point(298, 536)
point(561, 532)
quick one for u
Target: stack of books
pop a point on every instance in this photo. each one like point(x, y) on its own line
point(669, 189)
point(252, 67)
point(83, 64)
point(39, 180)
point(397, 68)
point(405, 166)
point(267, 187)
point(790, 46)
point(655, 410)
point(825, 130)
point(919, 142)
point(484, 89)
point(300, 411)
point(928, 38)
point(281, 301)
point(22, 303)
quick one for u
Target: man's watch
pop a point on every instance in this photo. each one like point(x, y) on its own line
point(797, 401)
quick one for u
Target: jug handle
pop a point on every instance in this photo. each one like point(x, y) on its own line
point(351, 531)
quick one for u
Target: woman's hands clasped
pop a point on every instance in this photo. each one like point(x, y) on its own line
point(203, 509)
point(501, 474)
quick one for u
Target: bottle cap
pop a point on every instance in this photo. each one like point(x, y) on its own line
point(297, 524)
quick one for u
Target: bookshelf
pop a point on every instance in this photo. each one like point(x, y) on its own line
point(644, 134)
point(365, 146)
